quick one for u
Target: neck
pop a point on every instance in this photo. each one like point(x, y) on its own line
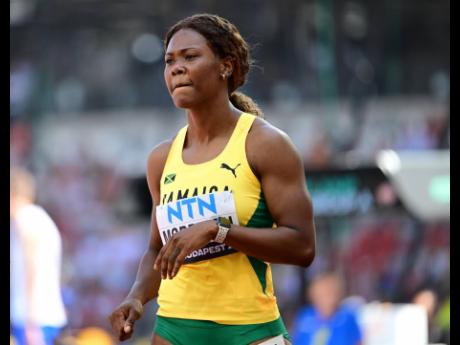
point(212, 120)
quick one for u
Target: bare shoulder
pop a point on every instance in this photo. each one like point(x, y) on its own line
point(269, 146)
point(155, 164)
point(158, 155)
point(264, 134)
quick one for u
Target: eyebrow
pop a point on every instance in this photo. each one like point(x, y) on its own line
point(181, 50)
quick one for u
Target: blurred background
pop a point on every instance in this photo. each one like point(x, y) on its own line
point(361, 87)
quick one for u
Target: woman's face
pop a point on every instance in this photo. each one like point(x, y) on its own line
point(192, 70)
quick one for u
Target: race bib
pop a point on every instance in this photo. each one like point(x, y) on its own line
point(178, 215)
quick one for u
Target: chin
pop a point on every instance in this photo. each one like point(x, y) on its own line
point(183, 102)
point(182, 105)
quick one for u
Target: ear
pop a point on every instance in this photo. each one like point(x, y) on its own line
point(226, 66)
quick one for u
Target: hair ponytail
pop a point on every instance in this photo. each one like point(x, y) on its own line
point(245, 103)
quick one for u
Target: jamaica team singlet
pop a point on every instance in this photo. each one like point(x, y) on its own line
point(216, 282)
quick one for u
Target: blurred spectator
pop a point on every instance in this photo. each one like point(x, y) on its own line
point(415, 135)
point(428, 299)
point(327, 321)
point(37, 312)
point(319, 155)
point(21, 87)
point(20, 142)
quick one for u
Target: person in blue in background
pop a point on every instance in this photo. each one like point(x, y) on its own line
point(326, 321)
point(37, 311)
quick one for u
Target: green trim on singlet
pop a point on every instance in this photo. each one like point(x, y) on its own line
point(260, 268)
point(261, 218)
point(200, 332)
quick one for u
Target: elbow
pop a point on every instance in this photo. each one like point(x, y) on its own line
point(307, 257)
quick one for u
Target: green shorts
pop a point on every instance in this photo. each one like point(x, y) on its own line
point(199, 332)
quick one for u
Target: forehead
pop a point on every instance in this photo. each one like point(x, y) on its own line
point(184, 39)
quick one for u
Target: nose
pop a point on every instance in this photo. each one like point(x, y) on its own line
point(178, 69)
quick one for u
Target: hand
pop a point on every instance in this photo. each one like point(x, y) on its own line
point(181, 244)
point(123, 317)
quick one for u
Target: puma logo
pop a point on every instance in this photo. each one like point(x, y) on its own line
point(233, 170)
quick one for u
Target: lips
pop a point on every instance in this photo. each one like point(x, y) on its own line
point(178, 85)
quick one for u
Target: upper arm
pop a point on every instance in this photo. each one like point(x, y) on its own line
point(279, 168)
point(29, 237)
point(29, 241)
point(155, 164)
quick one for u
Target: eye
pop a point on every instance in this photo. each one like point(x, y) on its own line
point(190, 57)
point(169, 61)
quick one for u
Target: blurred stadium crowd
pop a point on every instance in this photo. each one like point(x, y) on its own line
point(344, 79)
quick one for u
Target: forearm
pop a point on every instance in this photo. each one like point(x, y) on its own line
point(147, 283)
point(279, 245)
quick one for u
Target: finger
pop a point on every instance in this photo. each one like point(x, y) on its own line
point(160, 255)
point(120, 321)
point(123, 336)
point(132, 317)
point(165, 259)
point(156, 265)
point(179, 261)
point(172, 261)
point(164, 266)
point(117, 321)
point(128, 328)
